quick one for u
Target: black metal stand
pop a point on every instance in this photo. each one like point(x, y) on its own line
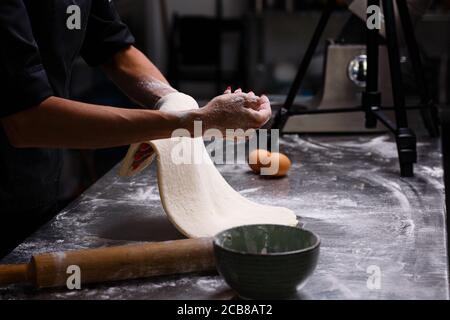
point(371, 98)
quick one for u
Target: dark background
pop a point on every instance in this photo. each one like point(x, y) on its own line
point(202, 46)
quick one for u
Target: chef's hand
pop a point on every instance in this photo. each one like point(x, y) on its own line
point(236, 110)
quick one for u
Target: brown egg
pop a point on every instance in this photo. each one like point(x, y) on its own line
point(259, 159)
point(284, 164)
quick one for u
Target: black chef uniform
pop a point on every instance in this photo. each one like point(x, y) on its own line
point(40, 40)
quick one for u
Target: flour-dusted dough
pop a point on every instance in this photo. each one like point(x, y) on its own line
point(196, 198)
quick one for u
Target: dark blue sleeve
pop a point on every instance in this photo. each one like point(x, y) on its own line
point(23, 80)
point(106, 34)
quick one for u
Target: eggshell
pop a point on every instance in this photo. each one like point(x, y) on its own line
point(264, 159)
point(258, 159)
point(284, 164)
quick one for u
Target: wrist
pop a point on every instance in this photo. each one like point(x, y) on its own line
point(187, 120)
point(182, 109)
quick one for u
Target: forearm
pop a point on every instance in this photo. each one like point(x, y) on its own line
point(61, 123)
point(137, 77)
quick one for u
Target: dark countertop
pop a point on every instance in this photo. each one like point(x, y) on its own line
point(347, 189)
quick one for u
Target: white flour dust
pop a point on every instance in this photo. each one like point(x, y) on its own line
point(210, 284)
point(394, 188)
point(435, 172)
point(251, 190)
point(155, 85)
point(379, 145)
point(295, 141)
point(433, 175)
point(148, 193)
point(346, 203)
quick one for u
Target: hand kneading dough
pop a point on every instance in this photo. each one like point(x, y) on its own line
point(196, 198)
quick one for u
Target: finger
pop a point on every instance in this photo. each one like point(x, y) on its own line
point(264, 101)
point(265, 104)
point(251, 94)
point(228, 91)
point(238, 91)
point(252, 101)
point(261, 116)
point(264, 110)
point(252, 104)
point(265, 98)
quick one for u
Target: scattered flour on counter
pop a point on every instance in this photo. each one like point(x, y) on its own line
point(210, 284)
point(232, 168)
point(93, 203)
point(433, 175)
point(435, 172)
point(346, 203)
point(251, 190)
point(294, 141)
point(335, 283)
point(111, 293)
point(148, 193)
point(407, 227)
point(399, 195)
point(438, 185)
point(393, 187)
point(379, 145)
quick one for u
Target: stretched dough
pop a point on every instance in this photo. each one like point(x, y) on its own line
point(195, 197)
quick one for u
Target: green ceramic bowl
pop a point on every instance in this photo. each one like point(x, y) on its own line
point(266, 261)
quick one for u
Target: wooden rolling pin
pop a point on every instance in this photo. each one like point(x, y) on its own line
point(113, 263)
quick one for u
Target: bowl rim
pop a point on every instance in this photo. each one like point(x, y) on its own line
point(310, 248)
